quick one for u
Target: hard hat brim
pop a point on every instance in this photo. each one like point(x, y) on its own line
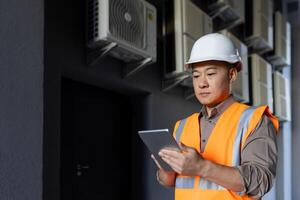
point(234, 59)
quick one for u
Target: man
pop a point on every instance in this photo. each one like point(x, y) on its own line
point(229, 149)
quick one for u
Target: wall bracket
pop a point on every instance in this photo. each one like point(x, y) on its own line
point(133, 67)
point(94, 56)
point(168, 84)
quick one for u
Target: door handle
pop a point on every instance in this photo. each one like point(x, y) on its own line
point(80, 168)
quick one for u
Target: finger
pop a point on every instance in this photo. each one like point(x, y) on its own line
point(172, 149)
point(156, 162)
point(170, 153)
point(173, 164)
point(177, 169)
point(172, 160)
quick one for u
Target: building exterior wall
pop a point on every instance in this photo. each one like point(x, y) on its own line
point(21, 99)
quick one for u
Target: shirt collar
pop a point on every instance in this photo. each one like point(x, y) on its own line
point(217, 110)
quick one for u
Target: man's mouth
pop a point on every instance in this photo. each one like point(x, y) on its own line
point(204, 94)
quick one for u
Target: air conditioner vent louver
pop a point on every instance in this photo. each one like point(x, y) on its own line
point(240, 87)
point(262, 85)
point(282, 97)
point(259, 25)
point(93, 19)
point(280, 57)
point(126, 21)
point(226, 13)
point(190, 23)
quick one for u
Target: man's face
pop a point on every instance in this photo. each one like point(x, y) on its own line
point(211, 81)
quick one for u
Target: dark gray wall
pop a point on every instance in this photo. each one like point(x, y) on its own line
point(21, 99)
point(65, 55)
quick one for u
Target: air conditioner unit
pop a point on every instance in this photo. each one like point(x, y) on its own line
point(262, 86)
point(228, 13)
point(240, 87)
point(289, 45)
point(282, 97)
point(259, 25)
point(280, 55)
point(185, 23)
point(190, 24)
point(124, 29)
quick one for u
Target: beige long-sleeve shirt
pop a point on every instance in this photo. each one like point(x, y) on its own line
point(259, 155)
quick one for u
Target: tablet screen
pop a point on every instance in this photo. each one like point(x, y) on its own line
point(156, 140)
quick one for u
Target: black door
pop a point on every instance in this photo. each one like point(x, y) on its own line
point(96, 143)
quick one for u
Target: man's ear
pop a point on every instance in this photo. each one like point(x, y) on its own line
point(232, 74)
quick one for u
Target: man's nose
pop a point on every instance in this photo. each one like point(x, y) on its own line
point(202, 83)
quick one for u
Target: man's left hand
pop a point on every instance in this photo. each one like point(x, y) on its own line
point(185, 162)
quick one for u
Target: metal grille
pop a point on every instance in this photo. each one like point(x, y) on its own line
point(126, 21)
point(93, 19)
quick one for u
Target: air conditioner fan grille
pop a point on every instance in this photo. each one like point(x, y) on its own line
point(126, 21)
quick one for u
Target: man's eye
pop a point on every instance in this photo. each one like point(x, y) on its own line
point(195, 76)
point(211, 74)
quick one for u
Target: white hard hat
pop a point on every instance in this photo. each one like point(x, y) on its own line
point(214, 46)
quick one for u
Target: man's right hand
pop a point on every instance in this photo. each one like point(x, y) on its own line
point(165, 178)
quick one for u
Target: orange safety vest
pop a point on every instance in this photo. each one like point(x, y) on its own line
point(224, 147)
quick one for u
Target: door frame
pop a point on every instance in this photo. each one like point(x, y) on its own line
point(52, 132)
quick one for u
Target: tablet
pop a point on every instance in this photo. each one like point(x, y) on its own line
point(156, 140)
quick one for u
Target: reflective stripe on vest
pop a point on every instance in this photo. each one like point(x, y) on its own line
point(188, 182)
point(208, 185)
point(241, 131)
point(179, 130)
point(185, 182)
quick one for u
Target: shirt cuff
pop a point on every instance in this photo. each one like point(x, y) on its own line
point(243, 192)
point(158, 179)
